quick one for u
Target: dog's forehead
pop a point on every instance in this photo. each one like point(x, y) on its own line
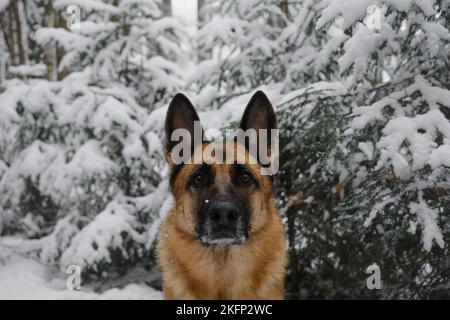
point(222, 156)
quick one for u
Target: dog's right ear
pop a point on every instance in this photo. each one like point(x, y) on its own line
point(181, 114)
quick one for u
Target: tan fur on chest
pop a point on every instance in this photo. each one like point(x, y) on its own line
point(252, 271)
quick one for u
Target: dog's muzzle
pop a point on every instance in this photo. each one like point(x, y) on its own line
point(223, 221)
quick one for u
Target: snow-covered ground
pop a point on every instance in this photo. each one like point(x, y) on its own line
point(23, 277)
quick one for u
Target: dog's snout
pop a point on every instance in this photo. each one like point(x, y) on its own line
point(223, 221)
point(223, 211)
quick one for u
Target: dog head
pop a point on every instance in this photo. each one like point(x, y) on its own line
point(221, 194)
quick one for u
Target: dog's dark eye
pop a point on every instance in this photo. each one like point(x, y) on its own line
point(199, 180)
point(244, 178)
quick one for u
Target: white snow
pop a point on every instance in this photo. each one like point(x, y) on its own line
point(421, 145)
point(67, 39)
point(113, 113)
point(29, 70)
point(377, 209)
point(88, 5)
point(351, 10)
point(367, 148)
point(359, 48)
point(93, 28)
point(106, 232)
point(427, 218)
point(89, 160)
point(25, 278)
point(440, 157)
point(224, 29)
point(36, 159)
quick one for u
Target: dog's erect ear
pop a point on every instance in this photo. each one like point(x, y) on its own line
point(181, 114)
point(259, 113)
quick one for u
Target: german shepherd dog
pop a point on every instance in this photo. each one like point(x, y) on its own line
point(223, 238)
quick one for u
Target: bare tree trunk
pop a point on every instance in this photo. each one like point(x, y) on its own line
point(284, 6)
point(30, 45)
point(60, 52)
point(12, 43)
point(25, 30)
point(2, 69)
point(115, 17)
point(167, 8)
point(201, 13)
point(4, 22)
point(18, 29)
point(280, 22)
point(50, 56)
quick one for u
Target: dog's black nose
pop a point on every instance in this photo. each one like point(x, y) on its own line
point(223, 211)
point(224, 220)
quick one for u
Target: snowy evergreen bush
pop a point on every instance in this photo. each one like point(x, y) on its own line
point(239, 48)
point(75, 159)
point(130, 42)
point(383, 153)
point(78, 167)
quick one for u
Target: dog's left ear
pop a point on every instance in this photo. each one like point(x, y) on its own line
point(259, 113)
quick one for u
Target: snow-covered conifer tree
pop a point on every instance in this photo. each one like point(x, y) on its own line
point(381, 148)
point(81, 166)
